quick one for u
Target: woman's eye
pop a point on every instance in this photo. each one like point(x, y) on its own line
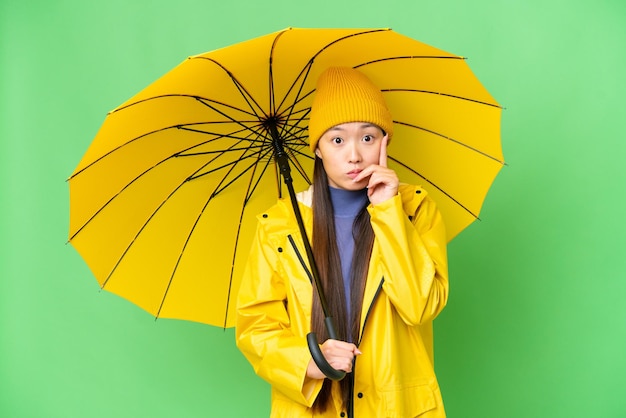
point(368, 138)
point(337, 140)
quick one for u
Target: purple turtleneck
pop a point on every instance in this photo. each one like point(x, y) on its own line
point(346, 204)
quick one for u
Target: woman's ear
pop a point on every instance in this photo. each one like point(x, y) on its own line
point(318, 153)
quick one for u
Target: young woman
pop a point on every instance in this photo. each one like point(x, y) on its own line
point(380, 248)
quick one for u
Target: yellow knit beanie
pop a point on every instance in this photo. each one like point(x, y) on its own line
point(346, 95)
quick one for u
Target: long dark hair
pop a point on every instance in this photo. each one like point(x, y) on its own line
point(326, 254)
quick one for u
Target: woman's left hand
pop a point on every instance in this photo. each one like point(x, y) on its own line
point(383, 181)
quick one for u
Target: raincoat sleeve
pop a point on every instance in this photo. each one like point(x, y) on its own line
point(411, 241)
point(263, 327)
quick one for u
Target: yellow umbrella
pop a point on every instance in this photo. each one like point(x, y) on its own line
point(163, 203)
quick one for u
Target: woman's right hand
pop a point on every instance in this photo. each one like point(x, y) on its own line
point(339, 354)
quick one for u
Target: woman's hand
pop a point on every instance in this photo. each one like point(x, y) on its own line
point(339, 354)
point(383, 181)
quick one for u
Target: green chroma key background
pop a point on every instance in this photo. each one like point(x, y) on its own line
point(536, 322)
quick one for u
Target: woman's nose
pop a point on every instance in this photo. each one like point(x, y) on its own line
point(355, 154)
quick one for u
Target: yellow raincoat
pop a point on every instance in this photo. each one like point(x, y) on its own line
point(406, 288)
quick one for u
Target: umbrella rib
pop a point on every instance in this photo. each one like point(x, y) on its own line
point(436, 93)
point(435, 186)
point(221, 188)
point(232, 119)
point(260, 157)
point(296, 101)
point(411, 57)
point(343, 38)
point(255, 107)
point(304, 73)
point(456, 141)
point(296, 163)
point(152, 215)
point(271, 73)
point(230, 164)
point(249, 193)
point(194, 154)
point(188, 96)
point(177, 154)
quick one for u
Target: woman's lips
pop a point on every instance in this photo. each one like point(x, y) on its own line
point(352, 174)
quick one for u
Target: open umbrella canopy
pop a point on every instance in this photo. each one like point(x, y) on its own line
point(163, 203)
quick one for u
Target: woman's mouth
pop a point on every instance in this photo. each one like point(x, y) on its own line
point(352, 174)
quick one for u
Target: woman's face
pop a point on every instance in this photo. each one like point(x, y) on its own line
point(346, 149)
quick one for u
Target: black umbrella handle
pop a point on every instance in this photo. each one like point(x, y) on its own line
point(318, 357)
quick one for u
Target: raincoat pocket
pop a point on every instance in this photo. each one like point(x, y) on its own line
point(408, 401)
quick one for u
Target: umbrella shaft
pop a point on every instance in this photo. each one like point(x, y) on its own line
point(283, 166)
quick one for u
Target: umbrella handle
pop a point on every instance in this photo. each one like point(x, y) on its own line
point(316, 352)
point(320, 360)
